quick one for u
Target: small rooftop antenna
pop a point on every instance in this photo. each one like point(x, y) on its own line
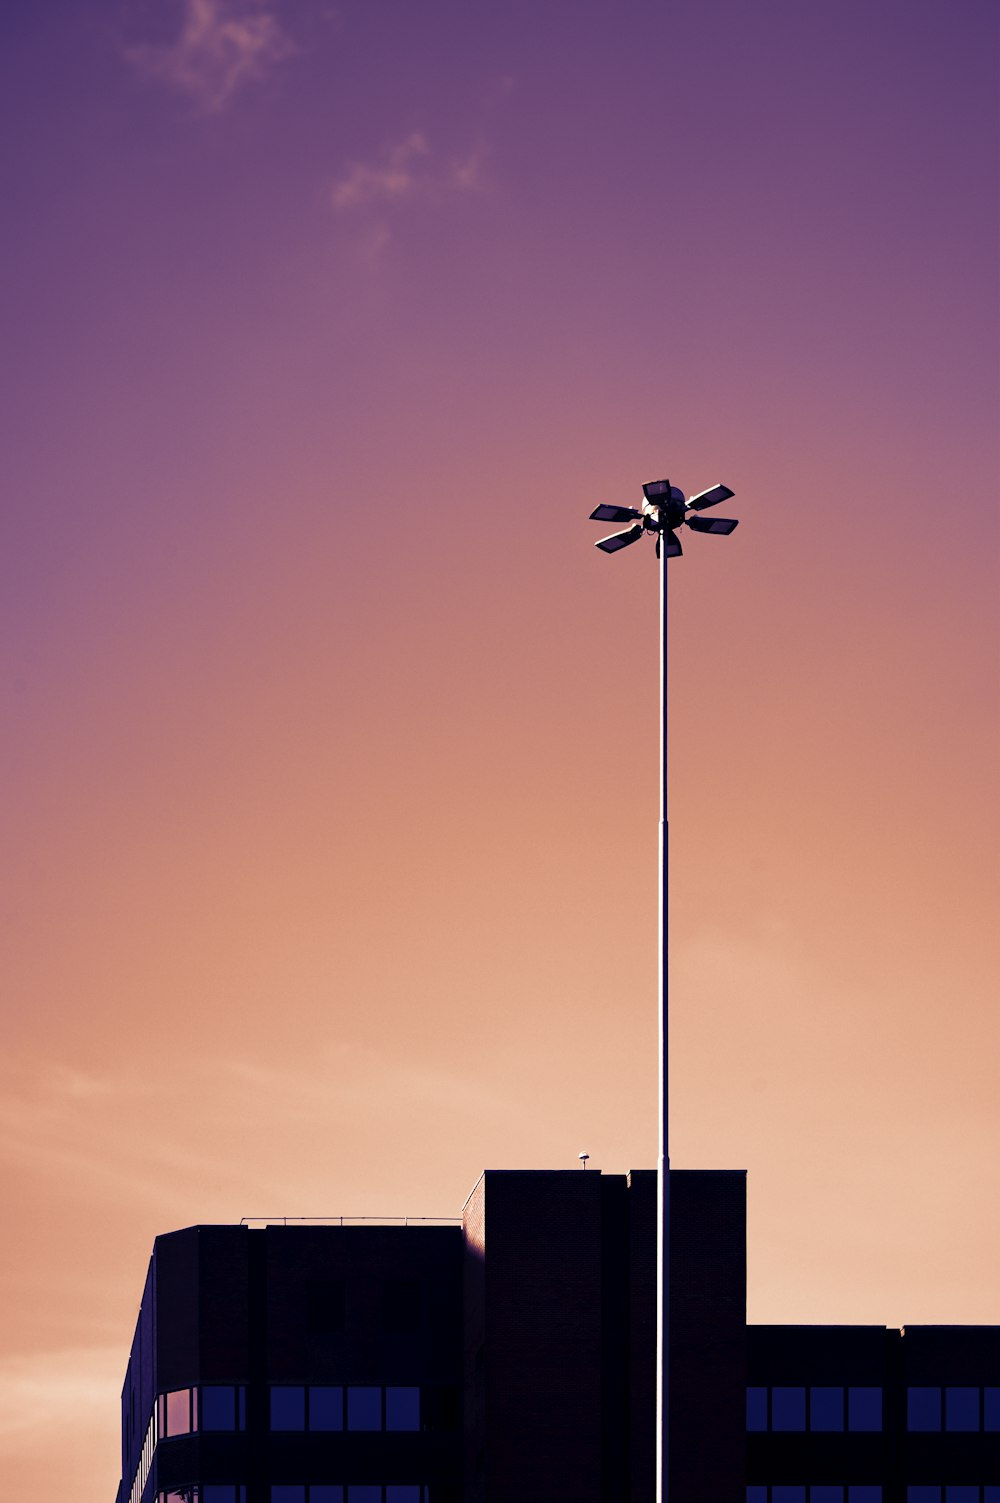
point(583, 1157)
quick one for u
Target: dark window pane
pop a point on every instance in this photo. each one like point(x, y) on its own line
point(826, 1409)
point(364, 1410)
point(826, 1493)
point(218, 1408)
point(923, 1412)
point(287, 1492)
point(756, 1408)
point(401, 1305)
point(241, 1411)
point(288, 1408)
point(788, 1495)
point(923, 1493)
point(757, 1494)
point(218, 1492)
point(963, 1494)
point(788, 1409)
point(864, 1409)
point(326, 1409)
point(178, 1412)
point(326, 1493)
point(961, 1409)
point(402, 1493)
point(402, 1409)
point(991, 1495)
point(991, 1408)
point(364, 1494)
point(866, 1493)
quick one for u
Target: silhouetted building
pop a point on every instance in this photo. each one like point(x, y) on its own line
point(510, 1358)
point(861, 1414)
point(560, 1337)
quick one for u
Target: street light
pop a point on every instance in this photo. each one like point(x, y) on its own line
point(664, 510)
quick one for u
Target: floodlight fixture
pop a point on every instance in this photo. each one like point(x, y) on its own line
point(616, 540)
point(711, 524)
point(615, 514)
point(711, 497)
point(664, 511)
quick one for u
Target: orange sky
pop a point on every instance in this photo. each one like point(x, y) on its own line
point(329, 870)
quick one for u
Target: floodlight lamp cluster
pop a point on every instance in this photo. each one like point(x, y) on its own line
point(664, 509)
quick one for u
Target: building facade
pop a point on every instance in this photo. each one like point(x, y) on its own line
point(861, 1414)
point(510, 1358)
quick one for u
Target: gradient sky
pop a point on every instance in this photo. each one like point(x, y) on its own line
point(329, 753)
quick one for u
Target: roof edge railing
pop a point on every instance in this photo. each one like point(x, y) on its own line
point(259, 1221)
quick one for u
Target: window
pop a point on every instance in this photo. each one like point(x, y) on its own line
point(757, 1494)
point(288, 1411)
point(788, 1411)
point(402, 1494)
point(218, 1408)
point(864, 1409)
point(922, 1493)
point(756, 1408)
point(788, 1495)
point(864, 1494)
point(287, 1492)
point(364, 1412)
point(826, 1409)
point(402, 1410)
point(176, 1416)
point(209, 1492)
point(923, 1412)
point(326, 1408)
point(364, 1494)
point(961, 1409)
point(991, 1495)
point(826, 1493)
point(326, 1494)
point(964, 1494)
point(991, 1408)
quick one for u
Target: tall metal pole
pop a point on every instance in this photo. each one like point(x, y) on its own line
point(664, 510)
point(663, 1167)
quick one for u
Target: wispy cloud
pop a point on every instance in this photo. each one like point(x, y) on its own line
point(409, 169)
point(466, 173)
point(397, 176)
point(223, 44)
point(204, 1136)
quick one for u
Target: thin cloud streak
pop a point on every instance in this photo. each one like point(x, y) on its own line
point(406, 171)
point(364, 1075)
point(222, 46)
point(57, 1123)
point(394, 178)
